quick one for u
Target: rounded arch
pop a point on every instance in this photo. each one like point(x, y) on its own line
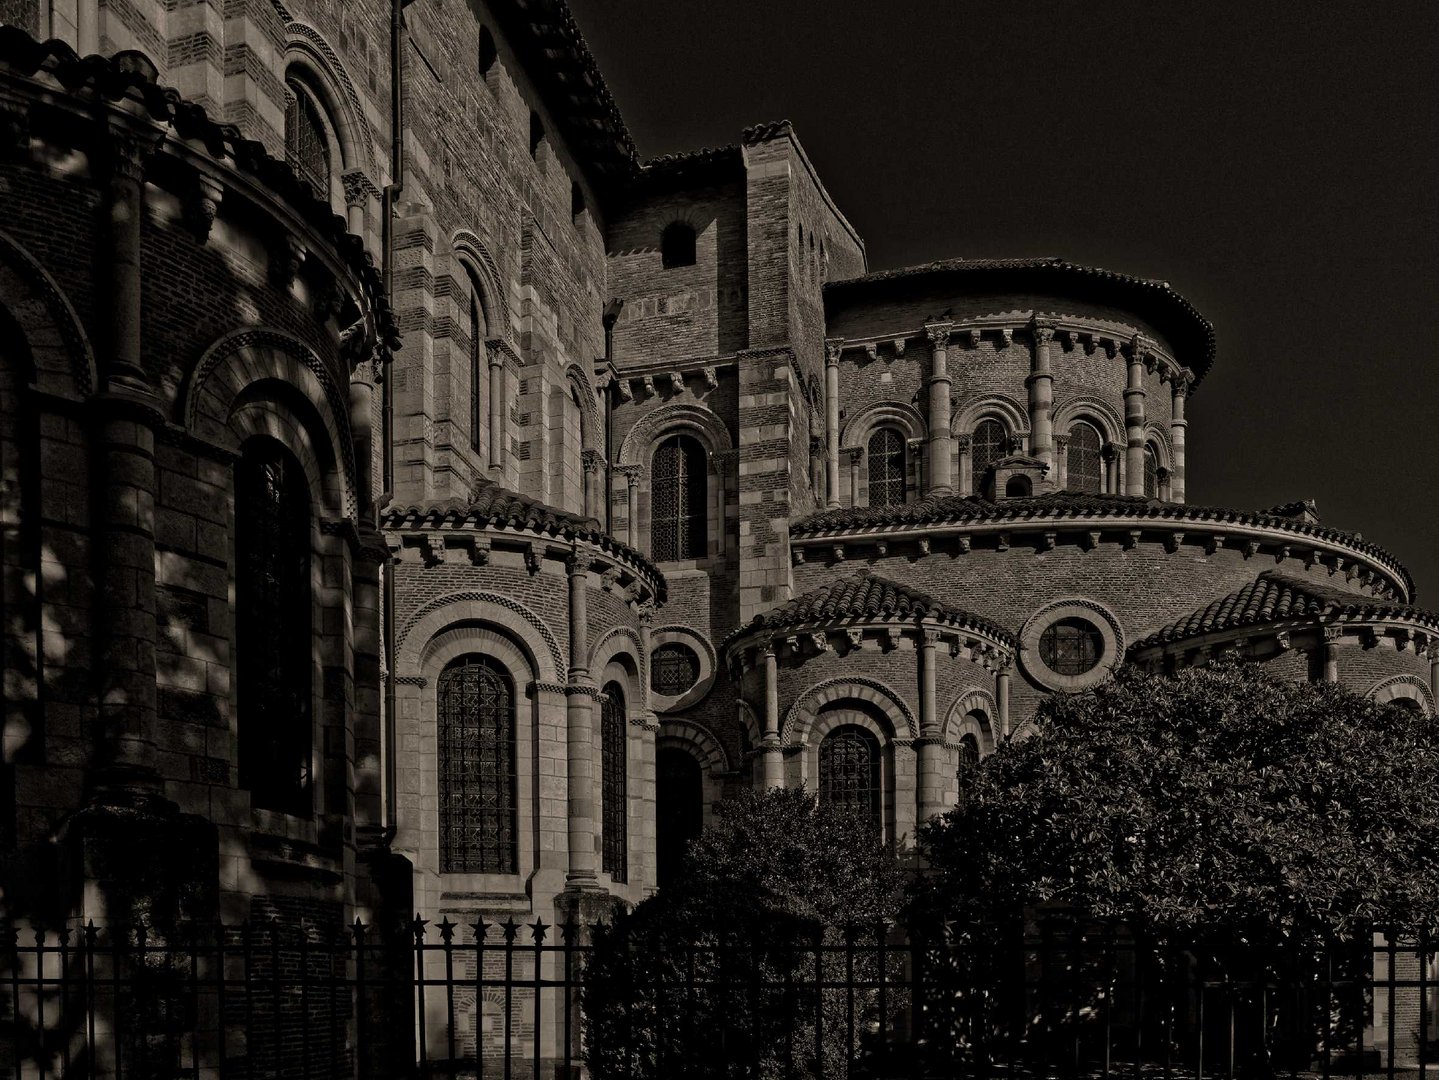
point(1001, 407)
point(306, 48)
point(750, 722)
point(667, 420)
point(1092, 410)
point(275, 410)
point(228, 375)
point(62, 362)
point(799, 720)
point(615, 643)
point(591, 426)
point(697, 740)
point(479, 609)
point(476, 258)
point(1402, 688)
point(961, 719)
point(906, 417)
point(1157, 437)
point(483, 639)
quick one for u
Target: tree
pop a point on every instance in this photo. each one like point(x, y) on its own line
point(707, 978)
point(1218, 797)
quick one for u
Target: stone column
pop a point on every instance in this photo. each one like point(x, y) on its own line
point(1134, 421)
point(1330, 653)
point(356, 198)
point(832, 350)
point(1110, 453)
point(632, 474)
point(930, 745)
point(1177, 427)
point(497, 409)
point(941, 440)
point(579, 734)
point(964, 486)
point(854, 455)
point(1001, 701)
point(594, 466)
point(1041, 396)
point(773, 770)
point(1061, 461)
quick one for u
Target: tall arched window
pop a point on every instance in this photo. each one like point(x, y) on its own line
point(1082, 460)
point(968, 749)
point(273, 645)
point(477, 369)
point(989, 443)
point(478, 798)
point(679, 809)
point(1151, 473)
point(614, 791)
point(307, 147)
point(849, 772)
point(677, 245)
point(886, 468)
point(679, 490)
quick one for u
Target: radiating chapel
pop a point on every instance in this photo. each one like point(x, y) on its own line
point(414, 501)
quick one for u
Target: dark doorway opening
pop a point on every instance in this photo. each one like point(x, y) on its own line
point(679, 809)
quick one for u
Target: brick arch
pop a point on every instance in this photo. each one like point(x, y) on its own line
point(1093, 410)
point(1409, 687)
point(473, 253)
point(62, 361)
point(592, 430)
point(461, 640)
point(480, 608)
point(243, 360)
point(1001, 407)
point(307, 46)
point(957, 722)
point(801, 715)
point(615, 642)
point(278, 416)
point(692, 419)
point(856, 430)
point(1156, 436)
point(698, 740)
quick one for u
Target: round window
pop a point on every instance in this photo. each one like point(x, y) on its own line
point(674, 669)
point(1071, 646)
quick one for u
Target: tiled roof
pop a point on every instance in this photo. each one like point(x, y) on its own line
point(967, 509)
point(1273, 597)
point(710, 163)
point(498, 506)
point(1172, 315)
point(865, 595)
point(131, 76)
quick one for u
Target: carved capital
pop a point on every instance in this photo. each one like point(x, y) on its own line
point(592, 460)
point(852, 455)
point(577, 563)
point(832, 349)
point(1043, 331)
point(128, 152)
point(938, 334)
point(358, 188)
point(633, 474)
point(962, 443)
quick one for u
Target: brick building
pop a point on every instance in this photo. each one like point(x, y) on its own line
point(413, 502)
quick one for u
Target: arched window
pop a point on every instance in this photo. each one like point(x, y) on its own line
point(1151, 473)
point(679, 490)
point(677, 245)
point(1082, 460)
point(679, 809)
point(307, 147)
point(477, 372)
point(886, 468)
point(272, 632)
point(849, 772)
point(614, 791)
point(478, 797)
point(968, 750)
point(989, 443)
point(1018, 487)
point(488, 52)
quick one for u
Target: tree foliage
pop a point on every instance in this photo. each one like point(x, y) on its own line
point(706, 978)
point(1221, 800)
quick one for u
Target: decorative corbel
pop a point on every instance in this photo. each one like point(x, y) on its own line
point(899, 346)
point(1368, 639)
point(856, 637)
point(924, 545)
point(1006, 337)
point(1282, 553)
point(963, 545)
point(534, 556)
point(285, 259)
point(820, 641)
point(1048, 539)
point(1211, 544)
point(1002, 542)
point(1091, 540)
point(1282, 640)
point(881, 548)
point(1070, 339)
point(648, 382)
point(203, 204)
point(1172, 542)
point(891, 636)
point(871, 350)
point(14, 133)
point(974, 334)
point(435, 548)
point(1311, 559)
point(625, 390)
point(796, 555)
point(839, 553)
point(608, 577)
point(1350, 572)
point(677, 381)
point(711, 376)
point(1251, 548)
point(1131, 539)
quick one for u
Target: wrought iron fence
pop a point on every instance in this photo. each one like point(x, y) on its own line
point(514, 1000)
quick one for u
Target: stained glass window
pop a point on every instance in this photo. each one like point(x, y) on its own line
point(1151, 473)
point(674, 669)
point(886, 468)
point(1083, 463)
point(1071, 646)
point(613, 786)
point(988, 445)
point(306, 148)
point(273, 646)
point(849, 772)
point(679, 488)
point(477, 768)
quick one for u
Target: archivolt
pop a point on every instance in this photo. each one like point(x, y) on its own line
point(698, 740)
point(857, 428)
point(432, 617)
point(710, 428)
point(802, 713)
point(64, 363)
point(311, 44)
point(492, 291)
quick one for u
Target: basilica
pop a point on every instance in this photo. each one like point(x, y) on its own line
point(415, 502)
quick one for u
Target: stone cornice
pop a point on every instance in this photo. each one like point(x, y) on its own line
point(990, 647)
point(1302, 633)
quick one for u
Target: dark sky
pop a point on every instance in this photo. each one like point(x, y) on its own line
point(1276, 162)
